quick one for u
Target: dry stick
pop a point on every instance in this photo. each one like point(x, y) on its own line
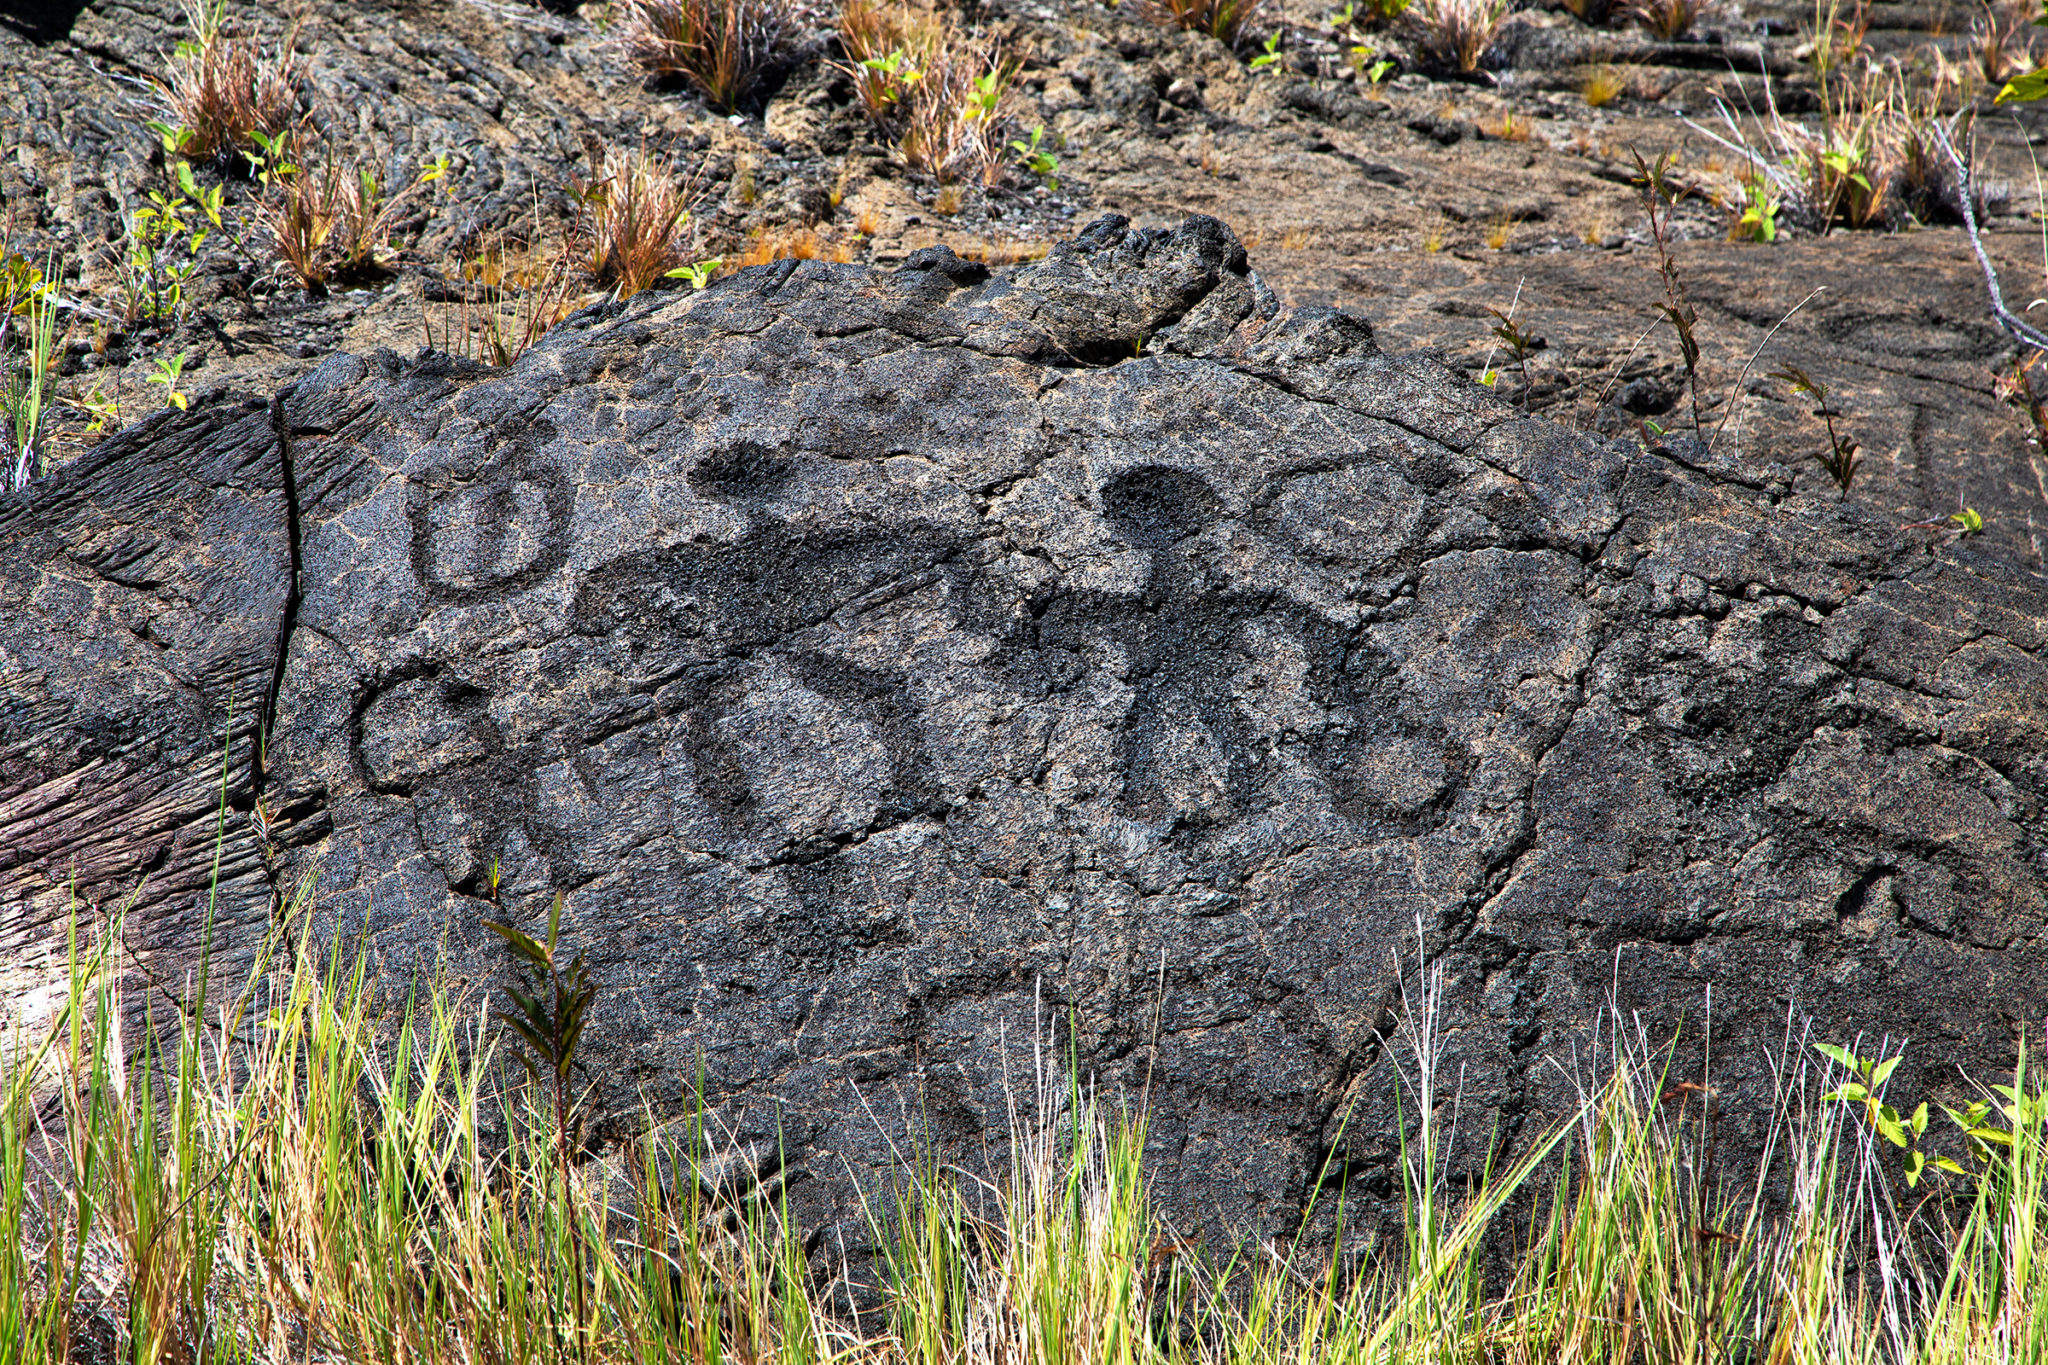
point(2014, 326)
point(1623, 363)
point(1736, 395)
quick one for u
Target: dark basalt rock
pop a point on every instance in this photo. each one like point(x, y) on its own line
point(885, 664)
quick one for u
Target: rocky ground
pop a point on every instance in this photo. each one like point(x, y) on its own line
point(1419, 202)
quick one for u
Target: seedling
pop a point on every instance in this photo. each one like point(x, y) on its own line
point(1969, 519)
point(549, 1017)
point(1521, 344)
point(1367, 64)
point(1758, 221)
point(1865, 1089)
point(698, 274)
point(1033, 158)
point(168, 373)
point(1840, 459)
point(1661, 195)
point(1269, 56)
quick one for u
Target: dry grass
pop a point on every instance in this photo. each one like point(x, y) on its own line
point(307, 1170)
point(1299, 239)
point(1436, 233)
point(2002, 42)
point(868, 223)
point(1454, 35)
point(512, 292)
point(1499, 232)
point(722, 47)
point(1837, 37)
point(636, 220)
point(1514, 127)
point(1008, 251)
point(768, 245)
point(948, 200)
point(221, 91)
point(1225, 20)
point(1668, 19)
point(1601, 85)
point(935, 90)
point(331, 219)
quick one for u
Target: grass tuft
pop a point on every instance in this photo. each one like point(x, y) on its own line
point(637, 223)
point(308, 1169)
point(722, 47)
point(1224, 20)
point(1454, 35)
point(223, 91)
point(1669, 20)
point(935, 90)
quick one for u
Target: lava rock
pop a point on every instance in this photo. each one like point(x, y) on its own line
point(888, 667)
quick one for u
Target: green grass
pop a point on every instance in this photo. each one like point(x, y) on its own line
point(308, 1170)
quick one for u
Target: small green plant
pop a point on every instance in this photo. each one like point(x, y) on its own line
point(1840, 459)
point(1758, 220)
point(1353, 15)
point(699, 274)
point(28, 298)
point(549, 1018)
point(1034, 158)
point(158, 258)
point(168, 373)
point(1864, 1088)
point(1366, 63)
point(1969, 519)
point(985, 96)
point(1269, 57)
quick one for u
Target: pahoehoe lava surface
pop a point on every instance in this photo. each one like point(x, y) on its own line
point(887, 663)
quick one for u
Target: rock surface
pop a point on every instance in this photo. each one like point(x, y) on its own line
point(885, 663)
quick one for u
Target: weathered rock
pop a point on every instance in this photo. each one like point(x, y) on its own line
point(886, 663)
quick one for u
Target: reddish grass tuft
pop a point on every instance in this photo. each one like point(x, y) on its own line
point(722, 47)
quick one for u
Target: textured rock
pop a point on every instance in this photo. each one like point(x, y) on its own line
point(885, 663)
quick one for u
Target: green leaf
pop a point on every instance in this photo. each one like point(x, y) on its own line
point(522, 943)
point(2025, 89)
point(1919, 1119)
point(1883, 1071)
point(1914, 1164)
point(1887, 1122)
point(1840, 1056)
point(1946, 1164)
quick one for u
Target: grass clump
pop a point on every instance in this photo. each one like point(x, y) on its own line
point(1602, 84)
point(222, 92)
point(934, 89)
point(721, 47)
point(1454, 35)
point(637, 223)
point(28, 355)
point(306, 1169)
point(1669, 20)
point(331, 219)
point(1224, 20)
